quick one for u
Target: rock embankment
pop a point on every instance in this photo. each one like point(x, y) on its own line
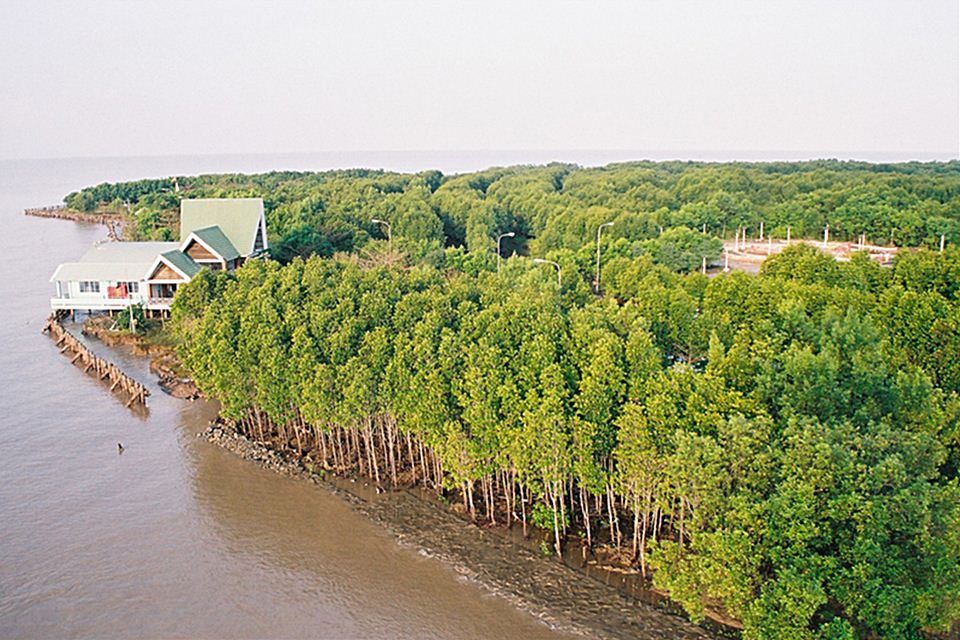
point(558, 595)
point(112, 221)
point(62, 213)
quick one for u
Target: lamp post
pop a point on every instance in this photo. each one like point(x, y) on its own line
point(389, 232)
point(500, 237)
point(542, 261)
point(596, 282)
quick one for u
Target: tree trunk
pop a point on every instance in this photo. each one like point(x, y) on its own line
point(585, 509)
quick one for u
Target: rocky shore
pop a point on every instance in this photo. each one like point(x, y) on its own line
point(560, 596)
point(62, 213)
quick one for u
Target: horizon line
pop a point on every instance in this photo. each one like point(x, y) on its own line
point(683, 155)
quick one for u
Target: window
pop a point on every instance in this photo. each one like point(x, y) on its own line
point(132, 287)
point(89, 286)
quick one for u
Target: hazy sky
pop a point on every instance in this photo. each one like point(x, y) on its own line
point(151, 78)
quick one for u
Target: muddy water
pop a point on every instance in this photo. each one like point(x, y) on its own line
point(175, 537)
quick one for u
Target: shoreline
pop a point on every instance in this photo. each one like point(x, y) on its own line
point(163, 360)
point(111, 221)
point(565, 597)
point(561, 596)
point(62, 213)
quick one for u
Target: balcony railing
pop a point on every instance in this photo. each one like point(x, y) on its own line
point(159, 303)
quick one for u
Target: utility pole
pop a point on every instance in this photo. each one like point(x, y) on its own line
point(826, 235)
point(596, 282)
point(542, 261)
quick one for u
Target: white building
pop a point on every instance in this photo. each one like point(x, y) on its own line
point(214, 233)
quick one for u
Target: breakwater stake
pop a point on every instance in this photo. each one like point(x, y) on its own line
point(81, 356)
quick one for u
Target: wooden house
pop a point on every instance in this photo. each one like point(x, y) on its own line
point(215, 233)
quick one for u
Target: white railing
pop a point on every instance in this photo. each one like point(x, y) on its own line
point(159, 303)
point(91, 303)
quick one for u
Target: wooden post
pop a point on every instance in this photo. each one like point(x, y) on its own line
point(101, 368)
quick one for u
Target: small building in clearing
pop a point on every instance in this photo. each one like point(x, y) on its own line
point(215, 233)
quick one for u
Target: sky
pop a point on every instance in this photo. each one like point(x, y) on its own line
point(841, 78)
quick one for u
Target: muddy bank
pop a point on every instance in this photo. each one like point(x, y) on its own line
point(553, 592)
point(164, 362)
point(166, 366)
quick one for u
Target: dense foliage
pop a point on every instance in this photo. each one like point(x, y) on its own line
point(558, 207)
point(782, 447)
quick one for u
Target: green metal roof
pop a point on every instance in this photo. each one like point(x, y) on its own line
point(214, 238)
point(182, 262)
point(238, 219)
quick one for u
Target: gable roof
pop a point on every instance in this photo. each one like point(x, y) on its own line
point(180, 262)
point(116, 261)
point(100, 271)
point(238, 219)
point(130, 252)
point(215, 240)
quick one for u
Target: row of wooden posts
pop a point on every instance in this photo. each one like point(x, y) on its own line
point(90, 362)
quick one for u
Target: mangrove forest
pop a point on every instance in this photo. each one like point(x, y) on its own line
point(782, 449)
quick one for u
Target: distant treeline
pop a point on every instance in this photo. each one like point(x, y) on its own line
point(782, 448)
point(557, 208)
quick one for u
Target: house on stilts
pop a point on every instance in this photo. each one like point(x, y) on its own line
point(215, 233)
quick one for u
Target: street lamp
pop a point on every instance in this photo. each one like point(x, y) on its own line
point(596, 282)
point(500, 237)
point(542, 261)
point(389, 233)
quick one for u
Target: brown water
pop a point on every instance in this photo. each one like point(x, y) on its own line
point(175, 537)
